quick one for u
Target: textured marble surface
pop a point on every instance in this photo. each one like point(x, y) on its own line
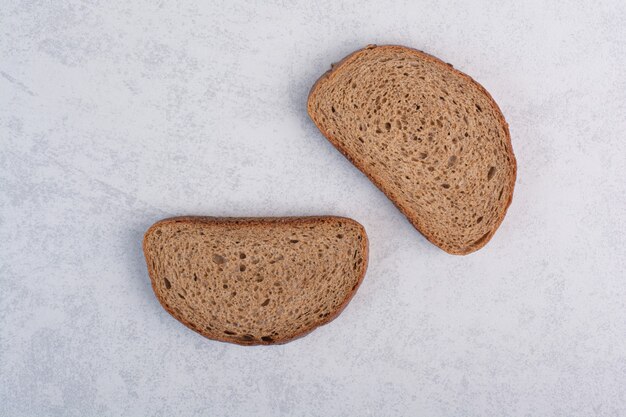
point(114, 114)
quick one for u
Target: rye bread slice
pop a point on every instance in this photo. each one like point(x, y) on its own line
point(429, 136)
point(255, 281)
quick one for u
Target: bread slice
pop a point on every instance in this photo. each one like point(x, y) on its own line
point(430, 137)
point(255, 281)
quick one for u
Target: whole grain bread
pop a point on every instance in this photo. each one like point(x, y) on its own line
point(430, 137)
point(255, 281)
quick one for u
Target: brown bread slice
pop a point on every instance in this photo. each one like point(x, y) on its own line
point(430, 137)
point(255, 281)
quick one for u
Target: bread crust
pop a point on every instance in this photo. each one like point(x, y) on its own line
point(336, 68)
point(254, 221)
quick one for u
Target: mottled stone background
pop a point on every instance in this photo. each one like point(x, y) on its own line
point(114, 114)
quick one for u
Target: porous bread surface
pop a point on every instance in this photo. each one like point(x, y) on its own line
point(255, 281)
point(430, 137)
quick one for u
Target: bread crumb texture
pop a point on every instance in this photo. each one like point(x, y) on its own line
point(255, 281)
point(431, 138)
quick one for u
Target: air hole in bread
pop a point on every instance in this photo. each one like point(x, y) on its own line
point(491, 173)
point(167, 283)
point(218, 259)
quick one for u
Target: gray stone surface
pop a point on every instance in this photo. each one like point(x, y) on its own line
point(114, 114)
